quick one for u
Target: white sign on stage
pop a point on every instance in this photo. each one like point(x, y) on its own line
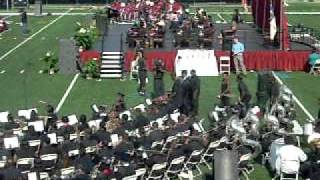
point(203, 61)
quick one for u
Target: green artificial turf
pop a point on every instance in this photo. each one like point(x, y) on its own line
point(14, 36)
point(25, 90)
point(19, 91)
point(304, 7)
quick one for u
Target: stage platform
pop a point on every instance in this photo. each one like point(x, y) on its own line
point(247, 34)
point(256, 57)
point(112, 39)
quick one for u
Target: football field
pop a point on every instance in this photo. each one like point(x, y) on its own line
point(22, 86)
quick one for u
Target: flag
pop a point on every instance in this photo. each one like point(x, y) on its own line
point(273, 23)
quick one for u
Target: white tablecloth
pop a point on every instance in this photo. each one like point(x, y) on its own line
point(203, 61)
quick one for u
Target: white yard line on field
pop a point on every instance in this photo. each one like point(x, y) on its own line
point(219, 15)
point(296, 100)
point(33, 35)
point(64, 97)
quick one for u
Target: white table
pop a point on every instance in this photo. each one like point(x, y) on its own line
point(203, 61)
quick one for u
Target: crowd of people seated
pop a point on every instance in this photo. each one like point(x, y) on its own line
point(3, 25)
point(134, 10)
point(159, 138)
point(150, 19)
point(197, 30)
point(272, 134)
point(113, 143)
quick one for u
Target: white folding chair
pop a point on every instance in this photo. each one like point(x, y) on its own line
point(244, 170)
point(27, 163)
point(175, 167)
point(3, 163)
point(44, 176)
point(60, 139)
point(141, 172)
point(90, 149)
point(283, 176)
point(18, 131)
point(209, 153)
point(26, 113)
point(157, 144)
point(157, 171)
point(74, 152)
point(67, 172)
point(72, 119)
point(193, 161)
point(33, 143)
point(4, 117)
point(73, 136)
point(49, 157)
point(224, 65)
point(133, 70)
point(132, 177)
point(168, 143)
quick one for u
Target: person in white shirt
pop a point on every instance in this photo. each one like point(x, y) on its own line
point(289, 157)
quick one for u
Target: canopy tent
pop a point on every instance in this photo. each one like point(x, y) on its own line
point(261, 15)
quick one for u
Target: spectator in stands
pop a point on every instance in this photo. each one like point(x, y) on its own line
point(289, 157)
point(237, 53)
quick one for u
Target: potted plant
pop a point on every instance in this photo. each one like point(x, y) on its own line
point(91, 69)
point(50, 63)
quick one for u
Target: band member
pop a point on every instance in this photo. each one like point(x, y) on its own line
point(142, 74)
point(158, 84)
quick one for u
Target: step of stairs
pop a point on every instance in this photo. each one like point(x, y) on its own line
point(110, 75)
point(111, 65)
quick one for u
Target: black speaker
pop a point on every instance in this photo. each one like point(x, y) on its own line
point(20, 3)
point(68, 56)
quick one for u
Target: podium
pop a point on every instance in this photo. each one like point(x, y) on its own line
point(38, 8)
